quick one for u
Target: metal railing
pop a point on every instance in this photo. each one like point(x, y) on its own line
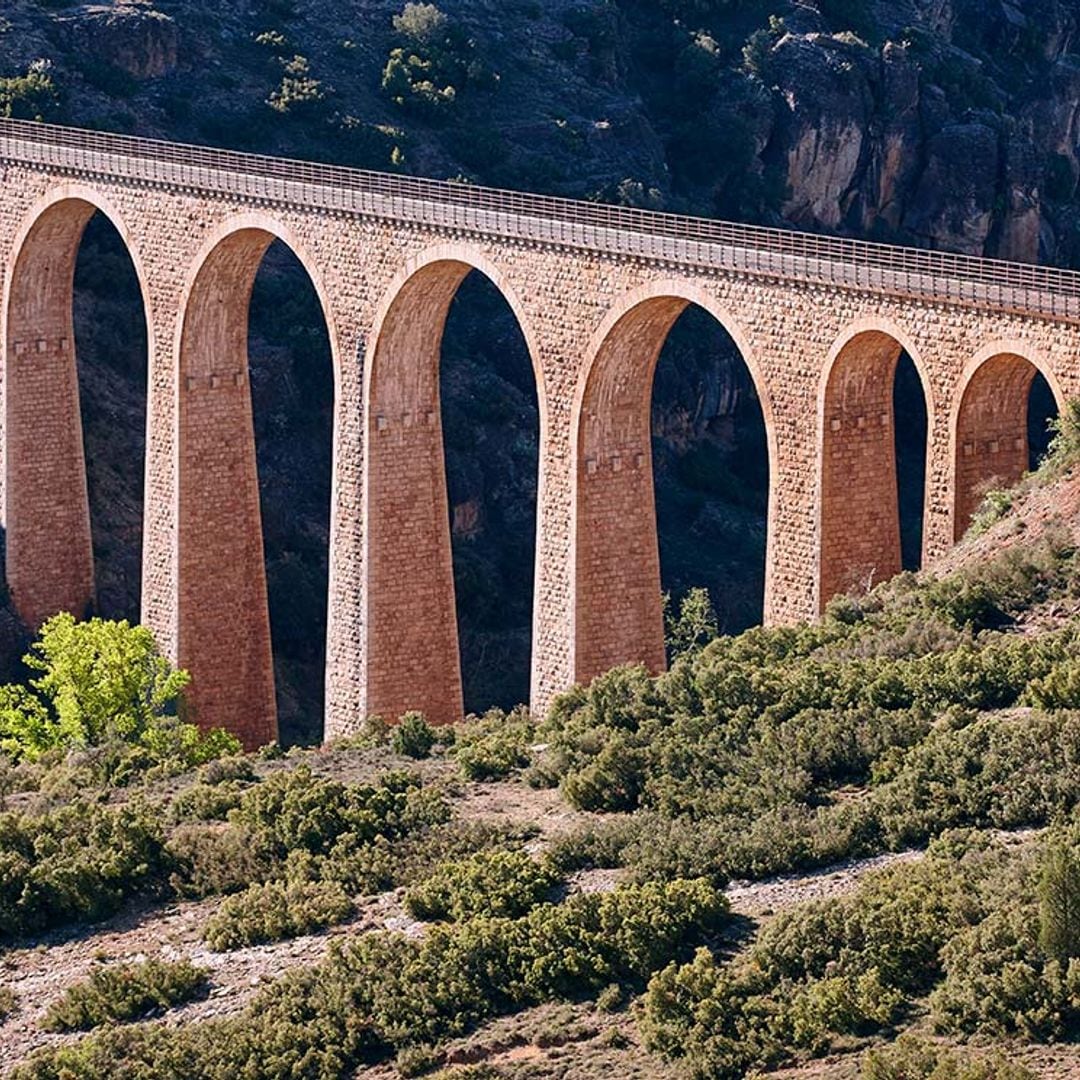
point(699, 242)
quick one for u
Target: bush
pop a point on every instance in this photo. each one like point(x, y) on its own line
point(125, 992)
point(840, 967)
point(206, 802)
point(413, 736)
point(435, 61)
point(294, 811)
point(1059, 903)
point(8, 1002)
point(494, 745)
point(997, 984)
point(81, 861)
point(693, 627)
point(215, 859)
point(276, 911)
point(496, 883)
point(914, 1059)
point(31, 96)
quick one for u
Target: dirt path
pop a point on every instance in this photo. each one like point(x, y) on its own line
point(40, 974)
point(757, 898)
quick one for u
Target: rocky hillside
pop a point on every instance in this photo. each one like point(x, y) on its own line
point(943, 123)
point(946, 123)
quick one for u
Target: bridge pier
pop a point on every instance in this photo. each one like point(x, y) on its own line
point(50, 559)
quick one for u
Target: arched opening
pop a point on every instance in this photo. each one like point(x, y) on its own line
point(74, 291)
point(224, 620)
point(111, 350)
point(423, 546)
point(292, 390)
point(490, 419)
point(640, 449)
point(1002, 430)
point(873, 465)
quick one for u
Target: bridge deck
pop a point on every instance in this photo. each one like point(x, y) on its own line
point(678, 239)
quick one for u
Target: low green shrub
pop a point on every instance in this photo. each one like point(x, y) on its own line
point(207, 802)
point(823, 970)
point(275, 911)
point(496, 883)
point(33, 95)
point(916, 1059)
point(235, 769)
point(291, 811)
point(997, 984)
point(492, 746)
point(125, 992)
point(413, 736)
point(76, 862)
point(214, 859)
point(8, 1002)
point(378, 993)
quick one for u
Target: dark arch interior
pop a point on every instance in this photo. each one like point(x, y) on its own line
point(292, 391)
point(491, 439)
point(1042, 410)
point(909, 409)
point(111, 351)
point(711, 471)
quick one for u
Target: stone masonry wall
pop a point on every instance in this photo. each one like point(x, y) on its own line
point(385, 286)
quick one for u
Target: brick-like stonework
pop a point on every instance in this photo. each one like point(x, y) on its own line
point(820, 325)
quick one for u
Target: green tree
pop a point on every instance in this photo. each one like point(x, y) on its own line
point(1059, 902)
point(32, 96)
point(102, 681)
point(693, 627)
point(102, 677)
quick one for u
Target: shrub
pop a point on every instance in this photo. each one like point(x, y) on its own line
point(413, 736)
point(494, 745)
point(435, 61)
point(693, 627)
point(125, 992)
point(915, 1059)
point(215, 859)
point(293, 811)
point(79, 861)
point(996, 984)
point(8, 1002)
point(1059, 903)
point(206, 802)
point(31, 96)
point(275, 911)
point(497, 883)
point(845, 966)
point(299, 92)
point(377, 993)
point(236, 769)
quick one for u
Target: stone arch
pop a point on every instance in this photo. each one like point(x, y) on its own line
point(412, 657)
point(989, 429)
point(223, 619)
point(46, 510)
point(858, 513)
point(617, 616)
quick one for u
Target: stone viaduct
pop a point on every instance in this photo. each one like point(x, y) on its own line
point(820, 322)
